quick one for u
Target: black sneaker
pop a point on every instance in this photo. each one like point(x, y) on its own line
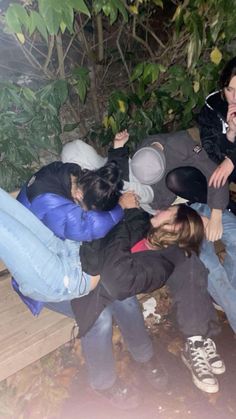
point(194, 358)
point(121, 395)
point(217, 364)
point(155, 374)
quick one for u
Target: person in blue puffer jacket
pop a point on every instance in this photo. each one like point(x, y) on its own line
point(76, 206)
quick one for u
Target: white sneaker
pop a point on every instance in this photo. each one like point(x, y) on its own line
point(217, 365)
point(194, 357)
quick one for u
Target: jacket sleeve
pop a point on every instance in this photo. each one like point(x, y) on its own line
point(69, 221)
point(211, 134)
point(121, 157)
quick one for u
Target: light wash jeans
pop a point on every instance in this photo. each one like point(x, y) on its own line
point(45, 267)
point(97, 343)
point(222, 278)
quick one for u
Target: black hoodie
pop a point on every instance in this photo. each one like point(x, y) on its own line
point(213, 126)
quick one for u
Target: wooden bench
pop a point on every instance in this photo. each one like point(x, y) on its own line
point(23, 337)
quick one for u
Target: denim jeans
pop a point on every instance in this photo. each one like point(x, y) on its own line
point(222, 278)
point(45, 267)
point(97, 343)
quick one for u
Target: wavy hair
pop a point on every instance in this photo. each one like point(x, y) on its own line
point(186, 230)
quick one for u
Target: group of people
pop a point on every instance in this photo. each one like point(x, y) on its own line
point(88, 233)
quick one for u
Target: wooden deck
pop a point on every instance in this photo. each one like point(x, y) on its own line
point(23, 337)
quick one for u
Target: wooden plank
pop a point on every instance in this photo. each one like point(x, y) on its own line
point(24, 338)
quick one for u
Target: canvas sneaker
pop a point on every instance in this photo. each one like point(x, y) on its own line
point(194, 357)
point(217, 365)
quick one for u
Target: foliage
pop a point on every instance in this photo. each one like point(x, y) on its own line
point(145, 65)
point(29, 123)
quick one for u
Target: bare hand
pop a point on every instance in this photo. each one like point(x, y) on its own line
point(214, 228)
point(129, 200)
point(121, 139)
point(231, 120)
point(222, 172)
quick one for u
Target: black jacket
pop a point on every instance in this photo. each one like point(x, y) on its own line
point(213, 125)
point(123, 274)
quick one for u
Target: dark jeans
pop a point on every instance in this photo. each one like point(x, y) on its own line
point(97, 343)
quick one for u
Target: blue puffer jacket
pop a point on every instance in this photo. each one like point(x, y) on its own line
point(50, 201)
point(68, 220)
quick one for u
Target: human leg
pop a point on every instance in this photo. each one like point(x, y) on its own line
point(21, 214)
point(40, 273)
point(229, 240)
point(188, 183)
point(127, 313)
point(219, 285)
point(197, 321)
point(98, 352)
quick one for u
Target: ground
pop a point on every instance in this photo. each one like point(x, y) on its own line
point(56, 387)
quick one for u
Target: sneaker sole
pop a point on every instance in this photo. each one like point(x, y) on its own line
point(214, 388)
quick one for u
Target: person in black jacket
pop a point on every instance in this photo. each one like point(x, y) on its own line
point(217, 123)
point(124, 274)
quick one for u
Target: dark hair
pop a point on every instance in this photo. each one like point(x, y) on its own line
point(101, 188)
point(188, 234)
point(228, 72)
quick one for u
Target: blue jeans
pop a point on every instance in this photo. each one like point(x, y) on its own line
point(97, 343)
point(222, 278)
point(45, 267)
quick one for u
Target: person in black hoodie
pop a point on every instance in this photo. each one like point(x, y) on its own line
point(217, 123)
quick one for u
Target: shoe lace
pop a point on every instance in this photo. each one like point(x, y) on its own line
point(210, 349)
point(199, 362)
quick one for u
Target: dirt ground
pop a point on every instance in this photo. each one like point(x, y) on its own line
point(56, 386)
point(181, 400)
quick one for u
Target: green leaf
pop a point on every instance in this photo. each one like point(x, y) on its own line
point(13, 20)
point(138, 71)
point(68, 17)
point(29, 94)
point(81, 81)
point(50, 11)
point(37, 21)
point(158, 3)
point(61, 90)
point(80, 6)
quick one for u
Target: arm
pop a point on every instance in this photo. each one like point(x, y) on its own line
point(120, 154)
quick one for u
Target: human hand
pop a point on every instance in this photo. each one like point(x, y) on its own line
point(214, 228)
point(221, 173)
point(129, 200)
point(231, 120)
point(121, 139)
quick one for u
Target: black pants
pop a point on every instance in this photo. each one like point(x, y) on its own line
point(189, 183)
point(193, 306)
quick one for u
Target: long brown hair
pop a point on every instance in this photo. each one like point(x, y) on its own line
point(186, 230)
